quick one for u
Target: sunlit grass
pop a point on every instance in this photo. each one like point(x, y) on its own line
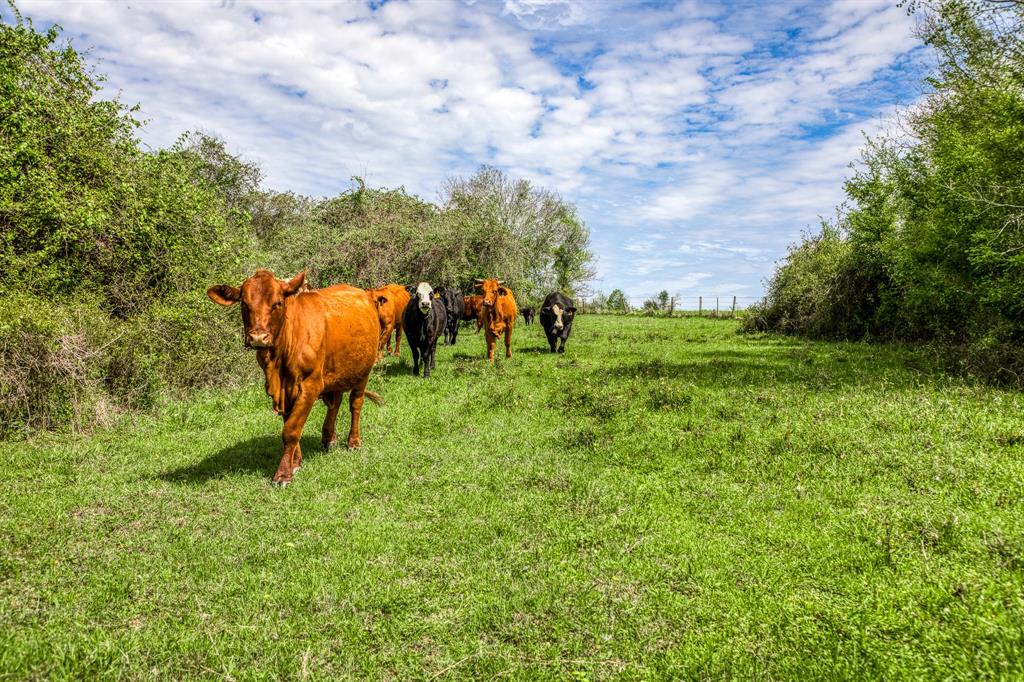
point(667, 499)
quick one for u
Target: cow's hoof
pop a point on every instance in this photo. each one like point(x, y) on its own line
point(327, 445)
point(561, 350)
point(282, 482)
point(354, 444)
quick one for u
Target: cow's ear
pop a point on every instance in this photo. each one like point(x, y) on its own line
point(570, 309)
point(381, 300)
point(477, 283)
point(546, 309)
point(224, 294)
point(294, 285)
point(502, 291)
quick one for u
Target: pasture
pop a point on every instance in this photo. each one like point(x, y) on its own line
point(667, 499)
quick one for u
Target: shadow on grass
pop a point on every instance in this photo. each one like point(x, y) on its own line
point(774, 365)
point(394, 367)
point(257, 455)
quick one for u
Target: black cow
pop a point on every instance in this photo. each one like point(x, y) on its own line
point(454, 305)
point(424, 319)
point(528, 314)
point(556, 317)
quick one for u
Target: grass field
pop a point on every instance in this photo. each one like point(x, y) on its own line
point(667, 499)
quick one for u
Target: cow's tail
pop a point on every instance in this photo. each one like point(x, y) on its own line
point(375, 397)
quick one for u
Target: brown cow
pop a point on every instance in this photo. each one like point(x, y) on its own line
point(390, 300)
point(498, 314)
point(472, 305)
point(317, 344)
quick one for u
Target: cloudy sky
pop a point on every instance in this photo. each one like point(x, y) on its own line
point(698, 139)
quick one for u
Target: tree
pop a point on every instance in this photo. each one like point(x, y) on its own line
point(527, 235)
point(617, 301)
point(663, 300)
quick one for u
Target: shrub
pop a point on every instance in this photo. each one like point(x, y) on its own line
point(51, 364)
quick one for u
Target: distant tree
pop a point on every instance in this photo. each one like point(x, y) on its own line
point(528, 235)
point(663, 300)
point(617, 301)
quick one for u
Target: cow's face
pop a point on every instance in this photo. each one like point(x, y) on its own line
point(491, 289)
point(563, 316)
point(262, 297)
point(423, 295)
point(451, 299)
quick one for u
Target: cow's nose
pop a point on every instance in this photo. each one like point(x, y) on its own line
point(259, 339)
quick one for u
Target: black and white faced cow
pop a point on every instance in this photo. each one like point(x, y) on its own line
point(424, 320)
point(454, 305)
point(556, 317)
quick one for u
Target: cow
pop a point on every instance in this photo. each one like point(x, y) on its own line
point(528, 315)
point(314, 344)
point(424, 321)
point(473, 304)
point(391, 300)
point(556, 317)
point(454, 306)
point(498, 314)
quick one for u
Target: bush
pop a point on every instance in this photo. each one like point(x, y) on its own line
point(70, 366)
point(51, 364)
point(931, 247)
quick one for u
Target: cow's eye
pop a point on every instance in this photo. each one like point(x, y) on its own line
point(277, 304)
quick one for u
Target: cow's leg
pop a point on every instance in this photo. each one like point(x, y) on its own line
point(455, 332)
point(328, 434)
point(491, 342)
point(415, 359)
point(433, 354)
point(553, 342)
point(384, 343)
point(561, 345)
point(355, 407)
point(508, 341)
point(292, 434)
point(398, 337)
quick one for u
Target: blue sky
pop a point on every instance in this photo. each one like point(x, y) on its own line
point(698, 139)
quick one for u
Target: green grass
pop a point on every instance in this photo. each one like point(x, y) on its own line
point(667, 499)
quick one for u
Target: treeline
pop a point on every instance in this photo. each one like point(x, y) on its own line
point(930, 245)
point(106, 247)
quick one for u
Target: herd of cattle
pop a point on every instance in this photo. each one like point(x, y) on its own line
point(323, 343)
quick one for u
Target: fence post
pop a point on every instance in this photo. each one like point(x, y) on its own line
point(716, 306)
point(700, 306)
point(733, 313)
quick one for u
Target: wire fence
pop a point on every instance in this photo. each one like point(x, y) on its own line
point(704, 306)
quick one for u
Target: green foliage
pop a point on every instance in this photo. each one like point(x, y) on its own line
point(82, 208)
point(486, 226)
point(932, 247)
point(617, 301)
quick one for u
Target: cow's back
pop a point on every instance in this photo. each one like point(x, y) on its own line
point(471, 307)
point(350, 333)
point(507, 308)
